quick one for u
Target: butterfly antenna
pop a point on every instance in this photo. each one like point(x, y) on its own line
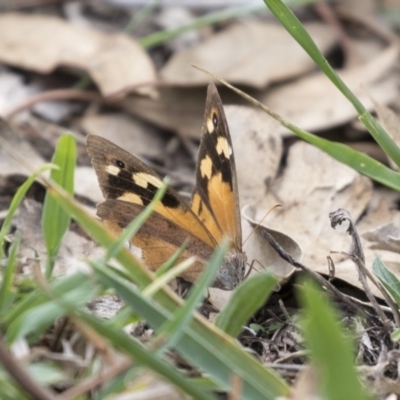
point(260, 222)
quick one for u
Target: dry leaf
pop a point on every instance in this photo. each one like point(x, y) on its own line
point(260, 251)
point(74, 251)
point(28, 159)
point(42, 43)
point(257, 59)
point(258, 147)
point(385, 237)
point(176, 109)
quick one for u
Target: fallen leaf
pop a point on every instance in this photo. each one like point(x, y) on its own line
point(259, 250)
point(74, 251)
point(17, 156)
point(42, 43)
point(257, 59)
point(258, 148)
point(385, 237)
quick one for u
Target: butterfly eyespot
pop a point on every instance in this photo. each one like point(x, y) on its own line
point(215, 120)
point(119, 164)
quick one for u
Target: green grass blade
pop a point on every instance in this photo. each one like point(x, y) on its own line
point(247, 299)
point(39, 315)
point(331, 352)
point(361, 162)
point(173, 329)
point(168, 276)
point(7, 292)
point(161, 37)
point(296, 29)
point(16, 201)
point(55, 221)
point(387, 278)
point(172, 261)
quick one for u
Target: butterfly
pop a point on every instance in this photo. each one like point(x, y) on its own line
point(129, 185)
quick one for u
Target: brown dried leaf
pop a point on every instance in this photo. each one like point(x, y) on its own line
point(28, 158)
point(176, 109)
point(258, 248)
point(257, 58)
point(257, 146)
point(42, 43)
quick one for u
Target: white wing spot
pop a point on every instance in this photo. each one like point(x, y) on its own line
point(210, 125)
point(113, 170)
point(206, 167)
point(131, 198)
point(223, 147)
point(142, 179)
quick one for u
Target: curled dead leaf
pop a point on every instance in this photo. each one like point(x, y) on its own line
point(258, 249)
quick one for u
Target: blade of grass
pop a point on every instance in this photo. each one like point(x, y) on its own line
point(331, 352)
point(55, 221)
point(173, 328)
point(158, 38)
point(76, 289)
point(6, 290)
point(387, 278)
point(296, 29)
point(247, 299)
point(163, 279)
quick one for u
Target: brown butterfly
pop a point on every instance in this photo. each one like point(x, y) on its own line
point(129, 185)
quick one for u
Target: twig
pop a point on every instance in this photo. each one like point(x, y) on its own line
point(62, 94)
point(93, 382)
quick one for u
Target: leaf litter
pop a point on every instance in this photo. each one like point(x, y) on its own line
point(305, 183)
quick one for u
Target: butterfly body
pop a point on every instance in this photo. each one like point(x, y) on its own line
point(129, 185)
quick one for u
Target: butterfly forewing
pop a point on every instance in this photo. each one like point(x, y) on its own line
point(215, 197)
point(124, 177)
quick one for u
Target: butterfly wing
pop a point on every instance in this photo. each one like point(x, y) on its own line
point(124, 177)
point(215, 197)
point(159, 238)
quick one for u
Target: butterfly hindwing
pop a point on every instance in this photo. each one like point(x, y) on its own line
point(159, 238)
point(215, 197)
